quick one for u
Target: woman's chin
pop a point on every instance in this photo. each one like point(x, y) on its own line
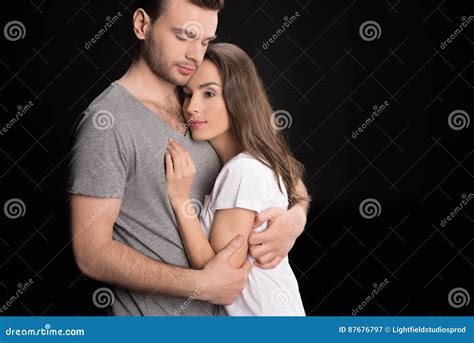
point(201, 135)
point(197, 136)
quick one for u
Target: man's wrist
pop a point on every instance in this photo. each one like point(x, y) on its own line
point(201, 283)
point(300, 211)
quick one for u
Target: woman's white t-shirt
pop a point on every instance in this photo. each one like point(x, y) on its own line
point(247, 183)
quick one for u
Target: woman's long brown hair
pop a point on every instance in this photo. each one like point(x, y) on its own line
point(251, 116)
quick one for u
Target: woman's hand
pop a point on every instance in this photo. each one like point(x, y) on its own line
point(180, 171)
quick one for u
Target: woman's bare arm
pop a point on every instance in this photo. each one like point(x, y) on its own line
point(227, 224)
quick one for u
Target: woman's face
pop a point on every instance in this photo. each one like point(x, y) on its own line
point(204, 107)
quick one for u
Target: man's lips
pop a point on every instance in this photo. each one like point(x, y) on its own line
point(196, 124)
point(186, 70)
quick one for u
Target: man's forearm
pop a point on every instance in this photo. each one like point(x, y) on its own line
point(302, 205)
point(116, 263)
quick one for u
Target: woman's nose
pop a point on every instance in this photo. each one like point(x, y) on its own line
point(192, 108)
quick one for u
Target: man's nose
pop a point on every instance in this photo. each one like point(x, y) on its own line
point(196, 52)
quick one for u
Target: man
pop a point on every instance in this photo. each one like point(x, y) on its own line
point(123, 227)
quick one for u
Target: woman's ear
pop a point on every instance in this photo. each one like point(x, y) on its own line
point(141, 23)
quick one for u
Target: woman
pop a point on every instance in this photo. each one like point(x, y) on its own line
point(225, 103)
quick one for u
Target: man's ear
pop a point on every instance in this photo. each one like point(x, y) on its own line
point(141, 23)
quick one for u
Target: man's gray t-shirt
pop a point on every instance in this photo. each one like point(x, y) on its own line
point(119, 152)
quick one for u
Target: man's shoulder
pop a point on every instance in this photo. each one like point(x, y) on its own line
point(110, 100)
point(111, 108)
point(107, 111)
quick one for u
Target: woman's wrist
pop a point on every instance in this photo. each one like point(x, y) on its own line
point(178, 203)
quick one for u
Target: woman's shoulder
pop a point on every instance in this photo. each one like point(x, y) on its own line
point(245, 169)
point(245, 180)
point(245, 164)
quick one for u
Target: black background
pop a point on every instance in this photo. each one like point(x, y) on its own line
point(328, 78)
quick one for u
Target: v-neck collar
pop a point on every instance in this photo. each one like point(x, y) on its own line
point(156, 116)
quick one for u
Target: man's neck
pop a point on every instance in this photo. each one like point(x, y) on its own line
point(157, 94)
point(146, 85)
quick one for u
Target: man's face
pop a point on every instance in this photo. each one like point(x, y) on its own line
point(175, 44)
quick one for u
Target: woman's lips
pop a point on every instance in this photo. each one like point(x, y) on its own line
point(186, 70)
point(196, 124)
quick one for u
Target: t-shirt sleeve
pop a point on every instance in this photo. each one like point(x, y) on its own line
point(243, 184)
point(98, 163)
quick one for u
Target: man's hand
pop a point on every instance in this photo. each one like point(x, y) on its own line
point(222, 283)
point(272, 245)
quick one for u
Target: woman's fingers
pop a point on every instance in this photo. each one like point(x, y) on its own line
point(179, 148)
point(176, 160)
point(190, 163)
point(183, 158)
point(169, 165)
point(182, 161)
point(175, 144)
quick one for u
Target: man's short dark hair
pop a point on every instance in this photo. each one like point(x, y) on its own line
point(154, 8)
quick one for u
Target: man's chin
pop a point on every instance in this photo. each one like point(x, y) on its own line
point(175, 78)
point(181, 80)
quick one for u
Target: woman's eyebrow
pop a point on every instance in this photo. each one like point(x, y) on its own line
point(204, 85)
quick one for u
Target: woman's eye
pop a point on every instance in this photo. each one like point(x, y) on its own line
point(209, 94)
point(180, 38)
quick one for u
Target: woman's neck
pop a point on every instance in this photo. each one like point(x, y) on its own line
point(226, 146)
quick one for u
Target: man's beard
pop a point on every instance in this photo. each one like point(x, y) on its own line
point(154, 58)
